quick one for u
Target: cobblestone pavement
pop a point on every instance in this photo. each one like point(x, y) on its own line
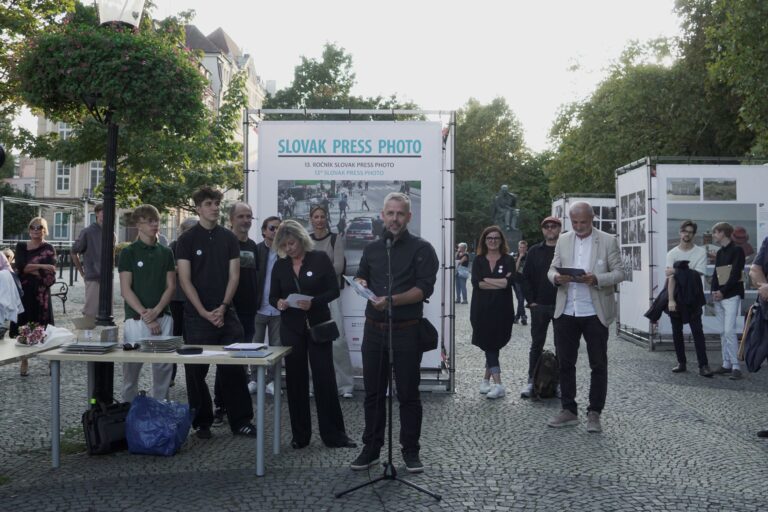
point(670, 443)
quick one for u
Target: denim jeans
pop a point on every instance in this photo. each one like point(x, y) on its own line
point(461, 289)
point(726, 312)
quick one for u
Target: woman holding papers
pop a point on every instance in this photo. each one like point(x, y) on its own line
point(303, 284)
point(491, 311)
point(333, 245)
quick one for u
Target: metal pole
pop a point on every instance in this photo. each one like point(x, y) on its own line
point(108, 227)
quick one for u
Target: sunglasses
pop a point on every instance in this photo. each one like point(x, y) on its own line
point(128, 346)
point(35, 228)
point(550, 226)
point(272, 228)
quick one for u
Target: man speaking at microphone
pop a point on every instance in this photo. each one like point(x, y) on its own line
point(414, 266)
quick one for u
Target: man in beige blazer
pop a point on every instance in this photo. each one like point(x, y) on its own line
point(585, 306)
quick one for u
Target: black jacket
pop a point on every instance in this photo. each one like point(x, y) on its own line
point(537, 288)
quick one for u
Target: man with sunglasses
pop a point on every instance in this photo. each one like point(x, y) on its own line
point(696, 257)
point(267, 317)
point(147, 282)
point(540, 293)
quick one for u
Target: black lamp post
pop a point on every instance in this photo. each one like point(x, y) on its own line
point(111, 12)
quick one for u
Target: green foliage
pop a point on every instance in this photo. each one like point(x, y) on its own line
point(739, 44)
point(327, 84)
point(490, 152)
point(169, 143)
point(17, 216)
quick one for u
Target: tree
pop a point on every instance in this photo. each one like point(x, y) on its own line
point(327, 84)
point(152, 86)
point(16, 217)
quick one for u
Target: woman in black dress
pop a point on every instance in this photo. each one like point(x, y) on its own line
point(491, 312)
point(36, 267)
point(302, 270)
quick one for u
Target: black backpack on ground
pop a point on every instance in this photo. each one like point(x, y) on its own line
point(104, 428)
point(546, 376)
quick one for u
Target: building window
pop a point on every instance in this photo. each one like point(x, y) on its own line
point(96, 176)
point(61, 226)
point(63, 173)
point(64, 131)
point(91, 218)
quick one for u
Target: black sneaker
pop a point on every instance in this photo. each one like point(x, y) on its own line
point(524, 321)
point(368, 458)
point(203, 433)
point(412, 462)
point(218, 416)
point(248, 430)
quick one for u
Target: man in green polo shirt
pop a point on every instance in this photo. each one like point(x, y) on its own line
point(147, 283)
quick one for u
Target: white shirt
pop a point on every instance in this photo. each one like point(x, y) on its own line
point(579, 301)
point(696, 257)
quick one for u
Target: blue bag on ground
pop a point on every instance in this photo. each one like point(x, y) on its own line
point(156, 428)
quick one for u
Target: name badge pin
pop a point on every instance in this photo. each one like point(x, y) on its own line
point(309, 273)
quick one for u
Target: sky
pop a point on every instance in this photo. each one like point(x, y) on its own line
point(441, 53)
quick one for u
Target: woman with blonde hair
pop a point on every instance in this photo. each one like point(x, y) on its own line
point(491, 312)
point(36, 266)
point(308, 272)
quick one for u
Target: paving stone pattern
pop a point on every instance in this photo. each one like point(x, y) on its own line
point(670, 443)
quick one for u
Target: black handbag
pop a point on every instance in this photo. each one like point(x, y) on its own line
point(321, 333)
point(428, 337)
point(324, 332)
point(104, 428)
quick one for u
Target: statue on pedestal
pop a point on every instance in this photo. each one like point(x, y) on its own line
point(505, 213)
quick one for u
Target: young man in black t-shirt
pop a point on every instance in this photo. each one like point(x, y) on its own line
point(208, 260)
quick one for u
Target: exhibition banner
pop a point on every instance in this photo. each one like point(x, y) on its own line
point(349, 167)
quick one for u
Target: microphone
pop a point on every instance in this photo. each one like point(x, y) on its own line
point(388, 238)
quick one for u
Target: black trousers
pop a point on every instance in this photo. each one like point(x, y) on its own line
point(541, 316)
point(699, 342)
point(248, 321)
point(407, 363)
point(568, 333)
point(520, 300)
point(234, 383)
point(306, 353)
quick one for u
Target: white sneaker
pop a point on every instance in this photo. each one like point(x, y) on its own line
point(271, 388)
point(485, 387)
point(497, 391)
point(253, 388)
point(527, 390)
point(347, 394)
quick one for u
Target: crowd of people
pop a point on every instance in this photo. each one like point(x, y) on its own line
point(216, 286)
point(569, 280)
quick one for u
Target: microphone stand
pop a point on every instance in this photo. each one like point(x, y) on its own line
point(390, 473)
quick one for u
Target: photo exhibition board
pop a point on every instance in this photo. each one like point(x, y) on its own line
point(350, 167)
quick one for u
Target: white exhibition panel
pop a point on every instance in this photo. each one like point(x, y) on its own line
point(704, 193)
point(633, 222)
point(300, 159)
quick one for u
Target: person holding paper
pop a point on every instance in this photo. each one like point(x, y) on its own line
point(585, 306)
point(727, 293)
point(414, 273)
point(333, 245)
point(491, 312)
point(301, 270)
point(147, 284)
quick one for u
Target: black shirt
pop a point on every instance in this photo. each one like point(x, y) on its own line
point(209, 253)
point(537, 288)
point(731, 254)
point(414, 264)
point(316, 278)
point(245, 299)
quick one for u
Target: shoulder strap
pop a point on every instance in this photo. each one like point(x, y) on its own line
point(333, 240)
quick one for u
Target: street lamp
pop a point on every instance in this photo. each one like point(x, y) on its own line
point(111, 12)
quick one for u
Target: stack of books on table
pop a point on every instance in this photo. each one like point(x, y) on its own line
point(89, 347)
point(160, 343)
point(248, 350)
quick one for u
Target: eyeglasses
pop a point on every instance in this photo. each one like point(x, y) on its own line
point(35, 228)
point(128, 346)
point(550, 226)
point(490, 238)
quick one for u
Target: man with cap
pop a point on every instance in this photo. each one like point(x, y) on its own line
point(540, 293)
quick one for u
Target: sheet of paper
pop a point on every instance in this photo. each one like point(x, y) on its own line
point(294, 298)
point(208, 353)
point(246, 346)
point(360, 289)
